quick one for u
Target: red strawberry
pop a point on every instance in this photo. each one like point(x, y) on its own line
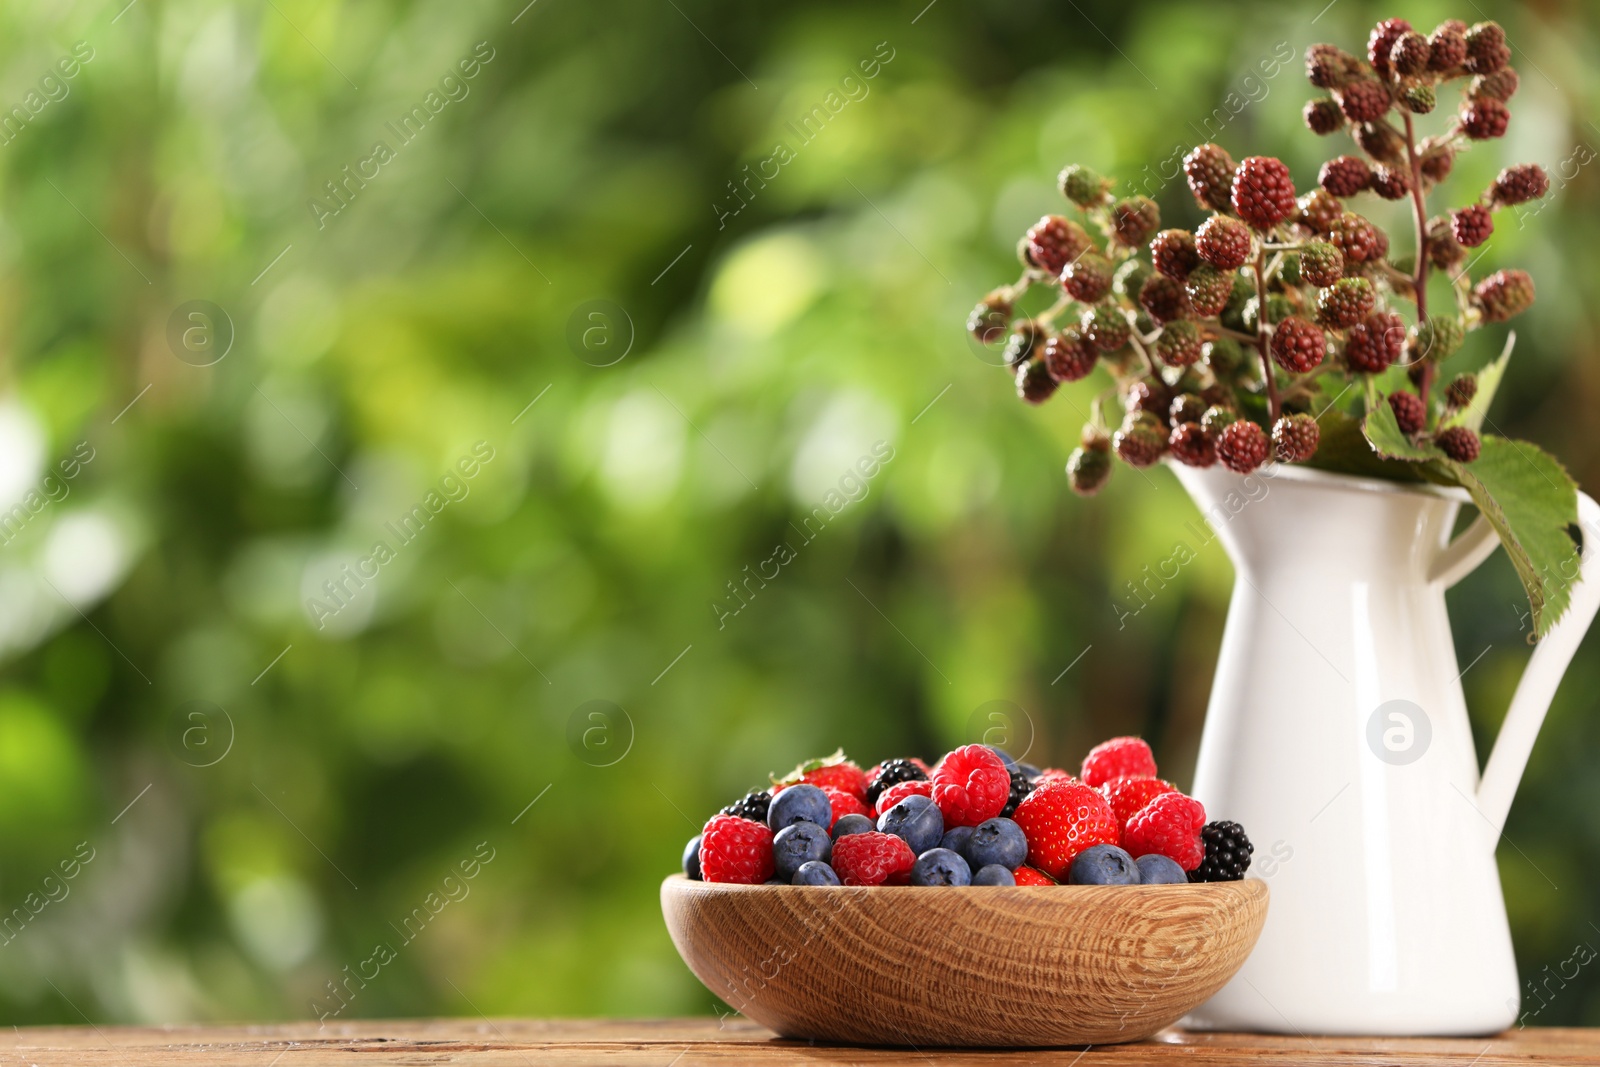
point(1120, 757)
point(843, 804)
point(869, 858)
point(1128, 794)
point(898, 792)
point(735, 850)
point(971, 785)
point(835, 771)
point(1170, 824)
point(1030, 876)
point(1061, 819)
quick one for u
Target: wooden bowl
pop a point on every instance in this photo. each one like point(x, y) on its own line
point(992, 966)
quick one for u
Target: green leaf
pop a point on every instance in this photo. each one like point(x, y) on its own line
point(1344, 449)
point(1489, 377)
point(1532, 502)
point(1384, 434)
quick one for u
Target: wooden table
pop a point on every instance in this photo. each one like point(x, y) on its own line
point(687, 1042)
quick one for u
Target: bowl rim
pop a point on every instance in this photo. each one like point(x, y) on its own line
point(696, 885)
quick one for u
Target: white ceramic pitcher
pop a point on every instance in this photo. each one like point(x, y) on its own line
point(1337, 734)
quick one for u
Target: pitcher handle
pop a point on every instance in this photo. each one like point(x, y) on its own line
point(1538, 686)
point(1462, 556)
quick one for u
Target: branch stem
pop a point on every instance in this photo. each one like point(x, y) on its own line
point(1419, 211)
point(1261, 334)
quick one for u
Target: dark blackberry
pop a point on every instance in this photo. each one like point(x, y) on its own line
point(753, 807)
point(1020, 788)
point(1228, 853)
point(893, 772)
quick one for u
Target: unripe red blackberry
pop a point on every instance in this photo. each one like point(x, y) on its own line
point(1055, 241)
point(1217, 418)
point(1345, 176)
point(1263, 192)
point(1391, 183)
point(1172, 252)
point(1318, 210)
point(1087, 278)
point(1410, 413)
point(1191, 445)
point(1447, 45)
point(1082, 186)
point(1224, 242)
point(1519, 184)
point(1484, 119)
point(1364, 100)
point(1089, 466)
point(1130, 278)
point(1381, 141)
point(1345, 303)
point(1026, 338)
point(1209, 171)
point(1141, 440)
point(1459, 443)
point(1179, 344)
point(1501, 85)
point(1327, 66)
point(1297, 345)
point(1068, 357)
point(1461, 390)
point(1410, 53)
point(1374, 344)
point(1419, 99)
point(1356, 238)
point(1295, 438)
point(1034, 383)
point(1242, 446)
point(1487, 50)
point(1444, 251)
point(1322, 116)
point(1437, 162)
point(1164, 299)
point(1186, 407)
point(1105, 327)
point(1436, 338)
point(1321, 264)
point(1503, 294)
point(1149, 396)
point(1208, 290)
point(1134, 219)
point(1471, 225)
point(991, 319)
point(1381, 42)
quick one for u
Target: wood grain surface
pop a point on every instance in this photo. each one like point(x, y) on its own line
point(732, 1041)
point(991, 966)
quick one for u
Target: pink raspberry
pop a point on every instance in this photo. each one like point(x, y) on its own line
point(1169, 825)
point(1119, 757)
point(970, 785)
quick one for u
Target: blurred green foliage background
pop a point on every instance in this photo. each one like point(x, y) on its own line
point(265, 799)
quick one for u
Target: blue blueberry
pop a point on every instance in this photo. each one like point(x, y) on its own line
point(1005, 757)
point(955, 839)
point(940, 866)
point(1156, 869)
point(917, 820)
point(994, 874)
point(815, 872)
point(799, 803)
point(998, 841)
point(1029, 770)
point(1103, 865)
point(852, 824)
point(798, 844)
point(691, 859)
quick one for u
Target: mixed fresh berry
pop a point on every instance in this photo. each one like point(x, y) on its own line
point(977, 817)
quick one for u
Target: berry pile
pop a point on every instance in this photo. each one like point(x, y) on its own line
point(976, 817)
point(1296, 274)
